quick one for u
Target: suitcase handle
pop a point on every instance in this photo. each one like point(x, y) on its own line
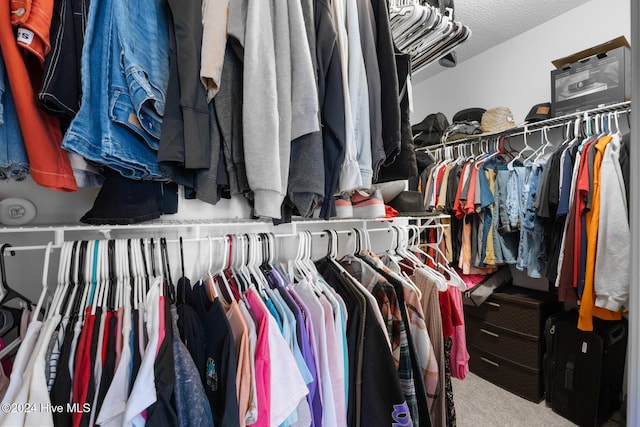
point(568, 375)
point(490, 362)
point(493, 304)
point(492, 334)
point(616, 334)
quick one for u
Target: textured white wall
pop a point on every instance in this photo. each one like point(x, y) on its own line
point(516, 73)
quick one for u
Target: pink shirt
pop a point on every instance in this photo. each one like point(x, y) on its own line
point(262, 360)
point(459, 361)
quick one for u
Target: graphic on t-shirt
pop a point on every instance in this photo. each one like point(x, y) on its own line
point(401, 416)
point(212, 374)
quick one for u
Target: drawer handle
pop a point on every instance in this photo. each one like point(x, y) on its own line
point(490, 362)
point(494, 304)
point(493, 334)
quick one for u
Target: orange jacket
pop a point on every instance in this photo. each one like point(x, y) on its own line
point(587, 304)
point(49, 164)
point(33, 20)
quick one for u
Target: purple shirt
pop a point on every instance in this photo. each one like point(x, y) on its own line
point(309, 350)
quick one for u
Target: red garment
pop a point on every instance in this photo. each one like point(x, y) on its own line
point(82, 371)
point(579, 206)
point(458, 208)
point(438, 183)
point(105, 339)
point(449, 313)
point(470, 203)
point(49, 164)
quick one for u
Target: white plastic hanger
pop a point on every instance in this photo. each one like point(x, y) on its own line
point(45, 278)
point(510, 165)
point(219, 275)
point(63, 271)
point(454, 277)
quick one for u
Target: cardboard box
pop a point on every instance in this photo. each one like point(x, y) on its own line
point(592, 78)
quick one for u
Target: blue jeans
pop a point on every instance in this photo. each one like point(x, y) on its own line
point(14, 163)
point(140, 69)
point(532, 253)
point(118, 98)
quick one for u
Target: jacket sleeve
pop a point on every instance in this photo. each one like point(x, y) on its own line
point(260, 111)
point(611, 277)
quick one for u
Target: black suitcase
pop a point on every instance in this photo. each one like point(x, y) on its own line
point(584, 370)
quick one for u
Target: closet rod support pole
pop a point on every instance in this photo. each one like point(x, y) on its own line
point(58, 237)
point(106, 233)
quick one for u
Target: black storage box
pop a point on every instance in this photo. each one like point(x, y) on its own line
point(592, 78)
point(505, 339)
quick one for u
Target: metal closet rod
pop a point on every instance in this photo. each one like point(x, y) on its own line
point(198, 223)
point(551, 123)
point(348, 232)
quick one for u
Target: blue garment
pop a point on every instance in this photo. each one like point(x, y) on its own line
point(532, 254)
point(273, 312)
point(515, 196)
point(123, 86)
point(505, 239)
point(313, 398)
point(567, 175)
point(486, 201)
point(192, 406)
point(14, 163)
point(289, 334)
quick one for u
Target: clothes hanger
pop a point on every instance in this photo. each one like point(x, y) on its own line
point(73, 287)
point(241, 267)
point(45, 277)
point(435, 273)
point(227, 271)
point(219, 276)
point(255, 260)
point(132, 273)
point(119, 273)
point(147, 268)
point(13, 345)
point(207, 279)
point(510, 165)
point(9, 293)
point(103, 276)
point(141, 275)
point(98, 276)
point(63, 279)
point(79, 279)
point(171, 290)
point(160, 274)
point(332, 253)
point(454, 277)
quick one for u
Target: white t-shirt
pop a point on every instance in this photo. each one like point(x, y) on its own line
point(286, 381)
point(143, 393)
point(115, 401)
point(307, 295)
point(252, 413)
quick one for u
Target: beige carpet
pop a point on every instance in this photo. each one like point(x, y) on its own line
point(480, 403)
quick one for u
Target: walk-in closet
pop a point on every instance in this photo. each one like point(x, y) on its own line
point(327, 213)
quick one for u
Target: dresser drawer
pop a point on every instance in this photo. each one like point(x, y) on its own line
point(520, 380)
point(519, 348)
point(516, 309)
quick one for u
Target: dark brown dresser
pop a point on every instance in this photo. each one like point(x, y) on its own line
point(505, 339)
